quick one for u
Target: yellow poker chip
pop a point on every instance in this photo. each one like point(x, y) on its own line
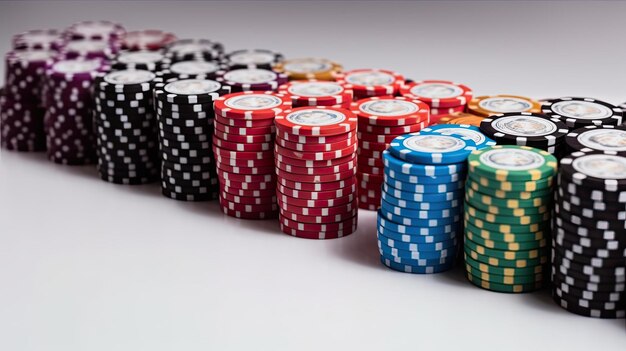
point(309, 68)
point(489, 105)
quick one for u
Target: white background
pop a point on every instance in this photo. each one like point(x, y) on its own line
point(86, 265)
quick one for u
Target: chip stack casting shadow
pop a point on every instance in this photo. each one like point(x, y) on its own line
point(380, 120)
point(444, 98)
point(589, 245)
point(186, 122)
point(244, 151)
point(316, 166)
point(68, 98)
point(126, 127)
point(419, 219)
point(21, 110)
point(507, 217)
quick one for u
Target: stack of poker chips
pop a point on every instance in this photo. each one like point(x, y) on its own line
point(244, 150)
point(419, 220)
point(466, 118)
point(192, 69)
point(600, 138)
point(527, 129)
point(38, 39)
point(507, 217)
point(251, 79)
point(253, 58)
point(489, 105)
point(95, 30)
point(149, 39)
point(68, 98)
point(589, 246)
point(21, 109)
point(578, 112)
point(145, 60)
point(443, 97)
point(380, 120)
point(185, 117)
point(317, 93)
point(126, 127)
point(194, 50)
point(315, 156)
point(308, 68)
point(371, 82)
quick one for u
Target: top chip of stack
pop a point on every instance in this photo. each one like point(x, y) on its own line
point(371, 82)
point(251, 79)
point(317, 93)
point(143, 60)
point(309, 68)
point(527, 129)
point(497, 104)
point(38, 39)
point(194, 49)
point(507, 217)
point(599, 138)
point(95, 30)
point(149, 39)
point(578, 112)
point(253, 58)
point(193, 69)
point(589, 272)
point(443, 97)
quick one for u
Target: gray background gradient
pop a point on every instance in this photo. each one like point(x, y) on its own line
point(89, 266)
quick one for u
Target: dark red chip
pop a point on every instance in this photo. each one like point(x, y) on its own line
point(316, 147)
point(314, 139)
point(317, 195)
point(284, 199)
point(245, 147)
point(317, 234)
point(317, 170)
point(248, 200)
point(317, 186)
point(317, 156)
point(310, 163)
point(347, 224)
point(316, 178)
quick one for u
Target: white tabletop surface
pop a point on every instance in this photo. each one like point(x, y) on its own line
point(88, 266)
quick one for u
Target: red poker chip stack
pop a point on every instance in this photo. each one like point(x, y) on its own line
point(243, 144)
point(149, 39)
point(318, 93)
point(316, 166)
point(371, 82)
point(380, 120)
point(443, 97)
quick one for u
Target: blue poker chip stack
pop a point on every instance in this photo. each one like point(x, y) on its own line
point(420, 218)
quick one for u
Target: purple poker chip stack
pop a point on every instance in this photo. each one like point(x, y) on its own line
point(95, 30)
point(68, 98)
point(38, 39)
point(21, 110)
point(126, 127)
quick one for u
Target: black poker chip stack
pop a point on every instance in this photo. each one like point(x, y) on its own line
point(589, 245)
point(185, 118)
point(126, 127)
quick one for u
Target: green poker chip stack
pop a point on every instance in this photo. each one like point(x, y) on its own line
point(508, 198)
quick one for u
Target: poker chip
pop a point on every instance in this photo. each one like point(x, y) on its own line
point(463, 130)
point(308, 68)
point(186, 121)
point(317, 93)
point(507, 209)
point(253, 58)
point(421, 202)
point(427, 148)
point(371, 82)
point(380, 119)
point(38, 39)
point(192, 69)
point(462, 118)
point(144, 60)
point(194, 50)
point(526, 129)
point(68, 122)
point(486, 106)
point(126, 135)
point(438, 93)
point(21, 105)
point(251, 79)
point(89, 48)
point(149, 39)
point(578, 112)
point(310, 179)
point(237, 115)
point(600, 138)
